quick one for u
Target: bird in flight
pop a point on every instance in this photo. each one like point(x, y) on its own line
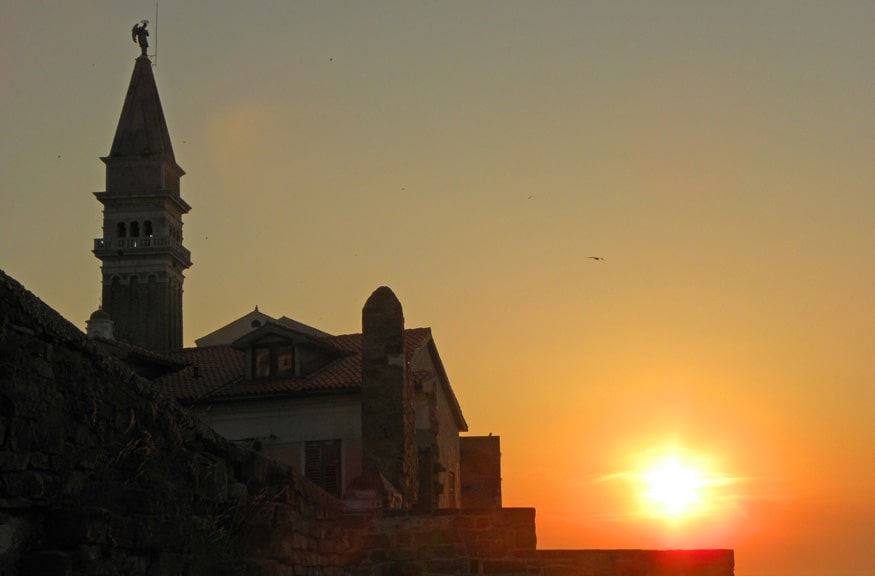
point(596, 258)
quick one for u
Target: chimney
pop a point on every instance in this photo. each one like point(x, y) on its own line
point(388, 406)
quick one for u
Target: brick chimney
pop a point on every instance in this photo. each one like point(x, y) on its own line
point(388, 406)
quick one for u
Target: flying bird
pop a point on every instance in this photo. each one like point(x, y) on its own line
point(596, 258)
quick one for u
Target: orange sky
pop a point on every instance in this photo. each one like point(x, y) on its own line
point(472, 156)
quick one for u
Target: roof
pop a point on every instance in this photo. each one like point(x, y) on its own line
point(144, 362)
point(218, 373)
point(249, 322)
point(142, 129)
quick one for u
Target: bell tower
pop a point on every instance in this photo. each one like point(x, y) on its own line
point(141, 252)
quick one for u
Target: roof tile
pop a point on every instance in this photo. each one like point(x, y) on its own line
point(219, 372)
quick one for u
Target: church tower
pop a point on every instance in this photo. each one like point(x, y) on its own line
point(141, 252)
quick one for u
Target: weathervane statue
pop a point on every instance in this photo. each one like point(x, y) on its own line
point(139, 35)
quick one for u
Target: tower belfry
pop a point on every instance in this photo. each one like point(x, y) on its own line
point(141, 252)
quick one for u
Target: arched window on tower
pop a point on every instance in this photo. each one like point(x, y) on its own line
point(135, 229)
point(147, 228)
point(120, 230)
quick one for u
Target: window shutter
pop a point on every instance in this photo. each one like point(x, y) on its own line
point(322, 465)
point(313, 462)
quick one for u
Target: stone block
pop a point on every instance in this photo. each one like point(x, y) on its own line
point(14, 461)
point(47, 563)
point(403, 569)
point(122, 531)
point(27, 484)
point(431, 537)
point(50, 435)
point(491, 544)
point(463, 522)
point(504, 566)
point(21, 435)
point(166, 564)
point(440, 565)
point(40, 461)
point(148, 532)
point(69, 528)
point(444, 551)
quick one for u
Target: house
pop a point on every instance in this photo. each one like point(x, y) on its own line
point(334, 407)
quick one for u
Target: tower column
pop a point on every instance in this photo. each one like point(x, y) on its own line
point(141, 250)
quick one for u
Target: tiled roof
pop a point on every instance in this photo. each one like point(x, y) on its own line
point(219, 372)
point(125, 350)
point(352, 343)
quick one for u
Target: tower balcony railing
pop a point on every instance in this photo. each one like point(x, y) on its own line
point(144, 244)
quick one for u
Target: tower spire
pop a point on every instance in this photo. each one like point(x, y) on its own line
point(141, 251)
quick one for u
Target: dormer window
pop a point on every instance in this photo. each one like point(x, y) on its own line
point(273, 360)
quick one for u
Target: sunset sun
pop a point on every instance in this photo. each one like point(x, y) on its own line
point(673, 488)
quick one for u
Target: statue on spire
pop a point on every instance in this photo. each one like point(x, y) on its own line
point(139, 35)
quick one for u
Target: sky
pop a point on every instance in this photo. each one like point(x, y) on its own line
point(472, 156)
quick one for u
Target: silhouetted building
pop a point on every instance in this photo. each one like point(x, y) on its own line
point(369, 417)
point(368, 413)
point(141, 252)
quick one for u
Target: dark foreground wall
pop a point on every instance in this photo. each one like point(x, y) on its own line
point(502, 541)
point(102, 474)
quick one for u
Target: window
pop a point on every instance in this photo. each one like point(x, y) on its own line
point(322, 465)
point(285, 360)
point(120, 230)
point(273, 360)
point(262, 362)
point(147, 228)
point(135, 229)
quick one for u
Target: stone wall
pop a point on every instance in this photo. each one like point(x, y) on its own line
point(636, 562)
point(502, 542)
point(451, 542)
point(102, 474)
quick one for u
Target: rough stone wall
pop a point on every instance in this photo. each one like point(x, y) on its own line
point(636, 562)
point(448, 543)
point(102, 474)
point(502, 542)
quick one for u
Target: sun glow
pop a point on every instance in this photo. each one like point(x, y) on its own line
point(677, 485)
point(673, 487)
